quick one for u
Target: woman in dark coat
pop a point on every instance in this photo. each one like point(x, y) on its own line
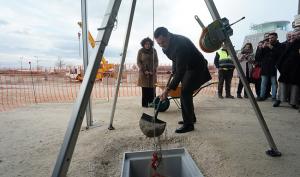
point(147, 62)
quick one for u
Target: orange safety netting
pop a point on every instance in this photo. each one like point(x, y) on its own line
point(24, 87)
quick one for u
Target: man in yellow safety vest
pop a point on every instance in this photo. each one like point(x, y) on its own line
point(225, 71)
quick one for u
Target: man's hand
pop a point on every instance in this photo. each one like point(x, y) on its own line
point(270, 46)
point(243, 57)
point(148, 73)
point(164, 95)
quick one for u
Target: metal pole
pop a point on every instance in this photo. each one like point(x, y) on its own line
point(21, 60)
point(107, 88)
point(298, 7)
point(122, 64)
point(199, 21)
point(65, 155)
point(37, 63)
point(212, 9)
point(273, 151)
point(32, 83)
point(79, 49)
point(89, 116)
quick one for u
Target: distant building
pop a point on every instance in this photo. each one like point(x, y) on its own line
point(280, 27)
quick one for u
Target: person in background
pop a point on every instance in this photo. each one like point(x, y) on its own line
point(289, 66)
point(246, 59)
point(189, 68)
point(269, 83)
point(147, 62)
point(283, 88)
point(268, 56)
point(288, 38)
point(257, 82)
point(225, 67)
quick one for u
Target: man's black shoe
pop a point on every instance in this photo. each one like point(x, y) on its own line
point(230, 96)
point(239, 96)
point(276, 103)
point(295, 106)
point(185, 128)
point(181, 122)
point(220, 96)
point(245, 96)
point(260, 99)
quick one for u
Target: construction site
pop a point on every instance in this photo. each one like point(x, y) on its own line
point(87, 120)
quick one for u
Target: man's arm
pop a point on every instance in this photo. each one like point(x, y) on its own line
point(155, 60)
point(259, 55)
point(216, 60)
point(180, 68)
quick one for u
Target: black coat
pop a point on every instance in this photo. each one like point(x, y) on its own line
point(267, 58)
point(289, 64)
point(189, 65)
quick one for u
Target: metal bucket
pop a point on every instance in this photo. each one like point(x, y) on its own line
point(152, 127)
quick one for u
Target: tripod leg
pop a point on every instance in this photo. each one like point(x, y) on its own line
point(273, 151)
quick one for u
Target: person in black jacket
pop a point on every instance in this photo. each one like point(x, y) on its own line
point(189, 68)
point(268, 56)
point(289, 68)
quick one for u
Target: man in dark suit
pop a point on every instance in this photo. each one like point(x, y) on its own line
point(189, 68)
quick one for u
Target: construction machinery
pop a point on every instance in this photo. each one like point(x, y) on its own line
point(106, 69)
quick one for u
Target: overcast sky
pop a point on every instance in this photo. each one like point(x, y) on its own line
point(34, 30)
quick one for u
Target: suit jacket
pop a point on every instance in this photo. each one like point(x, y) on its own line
point(268, 58)
point(289, 64)
point(189, 65)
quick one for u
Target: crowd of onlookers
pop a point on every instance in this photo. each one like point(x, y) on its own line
point(273, 67)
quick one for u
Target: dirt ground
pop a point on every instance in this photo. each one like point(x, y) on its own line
point(227, 142)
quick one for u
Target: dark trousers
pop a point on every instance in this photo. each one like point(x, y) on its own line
point(240, 88)
point(148, 94)
point(240, 85)
point(256, 84)
point(188, 85)
point(225, 75)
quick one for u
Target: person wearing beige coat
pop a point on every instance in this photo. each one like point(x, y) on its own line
point(147, 62)
point(246, 59)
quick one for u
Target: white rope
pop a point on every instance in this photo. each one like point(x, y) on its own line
point(157, 140)
point(153, 56)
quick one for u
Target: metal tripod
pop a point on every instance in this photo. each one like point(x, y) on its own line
point(65, 155)
point(67, 148)
point(273, 151)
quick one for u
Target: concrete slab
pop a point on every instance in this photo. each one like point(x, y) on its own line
point(175, 163)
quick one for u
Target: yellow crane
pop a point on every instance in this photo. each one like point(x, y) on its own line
point(105, 69)
point(90, 37)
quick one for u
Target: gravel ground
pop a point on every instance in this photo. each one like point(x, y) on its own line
point(227, 142)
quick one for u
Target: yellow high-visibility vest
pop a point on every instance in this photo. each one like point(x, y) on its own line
point(225, 61)
point(223, 55)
